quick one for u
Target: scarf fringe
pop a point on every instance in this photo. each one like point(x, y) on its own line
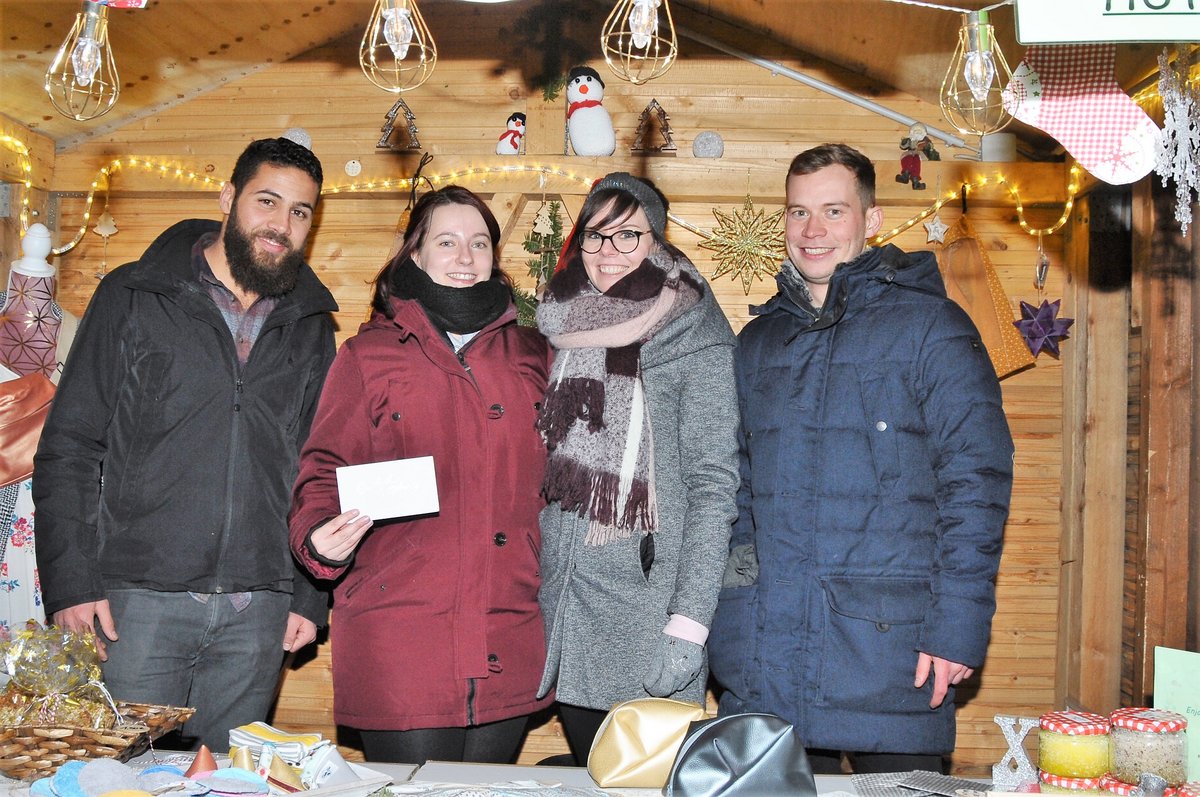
point(575, 398)
point(595, 494)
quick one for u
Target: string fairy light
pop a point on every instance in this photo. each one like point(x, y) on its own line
point(984, 181)
point(26, 167)
point(104, 175)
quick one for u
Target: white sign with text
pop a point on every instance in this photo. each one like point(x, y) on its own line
point(1070, 21)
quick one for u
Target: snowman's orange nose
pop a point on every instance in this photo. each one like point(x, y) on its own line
point(583, 89)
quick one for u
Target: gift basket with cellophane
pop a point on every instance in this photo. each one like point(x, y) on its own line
point(55, 707)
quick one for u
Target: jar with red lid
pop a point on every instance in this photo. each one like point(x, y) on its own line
point(1111, 785)
point(1056, 784)
point(1148, 740)
point(1073, 744)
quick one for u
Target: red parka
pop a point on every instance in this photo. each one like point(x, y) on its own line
point(435, 620)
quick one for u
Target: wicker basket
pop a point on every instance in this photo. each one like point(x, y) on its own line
point(32, 752)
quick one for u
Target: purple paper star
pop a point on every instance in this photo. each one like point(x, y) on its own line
point(1041, 327)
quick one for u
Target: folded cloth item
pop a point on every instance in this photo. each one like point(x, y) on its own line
point(291, 747)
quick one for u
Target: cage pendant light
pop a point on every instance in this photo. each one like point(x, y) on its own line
point(82, 81)
point(397, 51)
point(638, 41)
point(972, 91)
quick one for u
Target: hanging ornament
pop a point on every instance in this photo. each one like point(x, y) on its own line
point(748, 244)
point(1177, 156)
point(1041, 327)
point(1042, 269)
point(544, 243)
point(105, 227)
point(935, 229)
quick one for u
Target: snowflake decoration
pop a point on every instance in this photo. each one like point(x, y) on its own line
point(748, 244)
point(1177, 154)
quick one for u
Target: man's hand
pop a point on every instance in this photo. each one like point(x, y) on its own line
point(945, 673)
point(300, 631)
point(82, 619)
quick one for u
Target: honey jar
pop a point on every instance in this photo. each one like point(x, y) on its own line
point(1148, 740)
point(1073, 744)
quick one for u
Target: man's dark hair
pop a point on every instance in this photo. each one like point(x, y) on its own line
point(277, 152)
point(860, 165)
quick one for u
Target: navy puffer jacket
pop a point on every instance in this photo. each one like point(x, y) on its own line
point(876, 468)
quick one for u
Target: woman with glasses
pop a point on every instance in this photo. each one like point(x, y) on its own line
point(437, 639)
point(640, 419)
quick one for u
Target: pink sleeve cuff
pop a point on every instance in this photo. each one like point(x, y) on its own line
point(686, 628)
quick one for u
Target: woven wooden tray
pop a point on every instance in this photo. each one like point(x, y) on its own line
point(31, 752)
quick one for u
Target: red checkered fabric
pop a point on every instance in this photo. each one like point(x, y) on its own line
point(1070, 92)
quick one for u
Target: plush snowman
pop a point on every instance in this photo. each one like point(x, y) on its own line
point(588, 125)
point(510, 139)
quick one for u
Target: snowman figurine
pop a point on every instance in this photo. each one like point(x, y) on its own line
point(588, 125)
point(510, 139)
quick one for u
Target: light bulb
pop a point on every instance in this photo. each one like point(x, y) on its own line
point(979, 72)
point(398, 30)
point(971, 97)
point(643, 22)
point(82, 81)
point(638, 47)
point(85, 60)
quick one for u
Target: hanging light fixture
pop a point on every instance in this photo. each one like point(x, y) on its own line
point(971, 96)
point(397, 51)
point(82, 80)
point(637, 45)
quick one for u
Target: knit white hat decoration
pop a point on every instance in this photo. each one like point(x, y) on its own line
point(1069, 91)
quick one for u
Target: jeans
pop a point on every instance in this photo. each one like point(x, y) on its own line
point(174, 650)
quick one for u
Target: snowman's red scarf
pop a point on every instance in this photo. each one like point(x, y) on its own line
point(575, 106)
point(515, 135)
point(594, 418)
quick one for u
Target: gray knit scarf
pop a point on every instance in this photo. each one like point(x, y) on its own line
point(594, 418)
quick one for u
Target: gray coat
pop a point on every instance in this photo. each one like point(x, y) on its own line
point(603, 616)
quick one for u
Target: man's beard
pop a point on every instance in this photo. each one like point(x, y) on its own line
point(257, 273)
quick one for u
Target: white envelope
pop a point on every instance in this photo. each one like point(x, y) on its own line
point(395, 489)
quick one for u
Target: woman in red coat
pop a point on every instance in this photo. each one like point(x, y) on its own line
point(438, 644)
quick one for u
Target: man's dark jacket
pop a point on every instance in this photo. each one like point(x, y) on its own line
point(876, 477)
point(164, 465)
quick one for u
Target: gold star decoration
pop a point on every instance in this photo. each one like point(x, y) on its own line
point(747, 243)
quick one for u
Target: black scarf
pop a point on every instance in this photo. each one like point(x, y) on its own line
point(458, 310)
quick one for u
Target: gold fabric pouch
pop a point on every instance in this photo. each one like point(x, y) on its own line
point(636, 744)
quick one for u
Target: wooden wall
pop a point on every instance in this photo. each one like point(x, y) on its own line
point(764, 120)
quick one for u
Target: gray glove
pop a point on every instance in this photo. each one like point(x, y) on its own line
point(675, 664)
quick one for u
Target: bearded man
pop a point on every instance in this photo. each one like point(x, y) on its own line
point(162, 481)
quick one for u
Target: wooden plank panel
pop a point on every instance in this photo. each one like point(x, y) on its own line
point(354, 233)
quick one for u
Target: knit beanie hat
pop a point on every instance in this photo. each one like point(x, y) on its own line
point(644, 191)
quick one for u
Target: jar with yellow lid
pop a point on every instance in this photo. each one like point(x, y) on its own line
point(1056, 784)
point(1073, 744)
point(1148, 740)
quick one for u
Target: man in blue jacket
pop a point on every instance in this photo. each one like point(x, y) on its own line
point(876, 467)
point(164, 473)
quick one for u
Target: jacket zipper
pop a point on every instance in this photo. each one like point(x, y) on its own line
point(470, 701)
point(230, 468)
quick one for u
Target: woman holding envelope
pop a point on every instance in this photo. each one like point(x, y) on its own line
point(640, 419)
point(438, 643)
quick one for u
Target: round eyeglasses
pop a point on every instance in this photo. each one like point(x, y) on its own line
point(624, 241)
